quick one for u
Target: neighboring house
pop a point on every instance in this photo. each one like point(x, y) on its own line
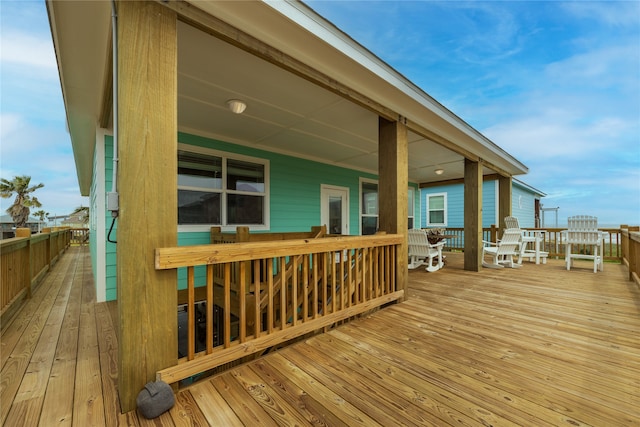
point(77, 220)
point(442, 204)
point(8, 228)
point(260, 114)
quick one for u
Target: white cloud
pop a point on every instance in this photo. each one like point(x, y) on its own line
point(27, 50)
point(615, 13)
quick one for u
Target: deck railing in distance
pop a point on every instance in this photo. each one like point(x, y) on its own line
point(79, 236)
point(24, 261)
point(283, 291)
point(553, 243)
point(631, 251)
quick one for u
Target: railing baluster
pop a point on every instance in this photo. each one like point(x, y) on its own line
point(270, 307)
point(283, 293)
point(227, 304)
point(294, 291)
point(242, 296)
point(210, 308)
point(256, 292)
point(191, 317)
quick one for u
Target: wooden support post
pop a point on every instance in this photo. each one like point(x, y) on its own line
point(504, 201)
point(472, 215)
point(147, 184)
point(393, 188)
point(26, 266)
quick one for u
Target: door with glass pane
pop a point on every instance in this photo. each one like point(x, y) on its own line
point(334, 209)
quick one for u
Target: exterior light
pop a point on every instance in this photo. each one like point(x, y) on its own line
point(439, 171)
point(236, 106)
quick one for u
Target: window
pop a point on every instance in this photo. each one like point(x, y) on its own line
point(437, 209)
point(217, 189)
point(369, 207)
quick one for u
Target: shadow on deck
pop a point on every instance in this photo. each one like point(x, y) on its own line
point(532, 346)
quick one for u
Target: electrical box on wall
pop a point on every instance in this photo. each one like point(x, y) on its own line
point(113, 202)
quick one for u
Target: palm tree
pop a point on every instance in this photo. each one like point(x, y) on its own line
point(19, 210)
point(41, 215)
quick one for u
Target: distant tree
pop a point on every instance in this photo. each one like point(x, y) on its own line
point(83, 214)
point(19, 210)
point(41, 215)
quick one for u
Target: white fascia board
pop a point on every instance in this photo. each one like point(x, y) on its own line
point(304, 16)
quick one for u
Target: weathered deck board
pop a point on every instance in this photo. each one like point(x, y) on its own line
point(531, 346)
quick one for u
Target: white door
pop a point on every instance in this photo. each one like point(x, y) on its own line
point(334, 209)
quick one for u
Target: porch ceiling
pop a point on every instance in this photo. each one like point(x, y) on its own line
point(285, 113)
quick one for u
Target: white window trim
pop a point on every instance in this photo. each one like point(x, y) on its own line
point(360, 214)
point(228, 155)
point(428, 219)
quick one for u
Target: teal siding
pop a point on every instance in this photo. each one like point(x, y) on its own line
point(110, 248)
point(523, 206)
point(295, 185)
point(455, 204)
point(294, 198)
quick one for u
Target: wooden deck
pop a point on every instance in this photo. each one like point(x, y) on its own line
point(536, 346)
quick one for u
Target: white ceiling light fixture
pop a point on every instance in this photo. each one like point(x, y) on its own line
point(236, 106)
point(439, 171)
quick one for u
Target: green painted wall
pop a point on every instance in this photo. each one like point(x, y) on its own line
point(295, 186)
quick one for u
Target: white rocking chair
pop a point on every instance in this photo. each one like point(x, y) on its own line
point(582, 232)
point(422, 252)
point(504, 250)
point(526, 237)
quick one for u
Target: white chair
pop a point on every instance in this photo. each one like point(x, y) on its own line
point(582, 235)
point(528, 236)
point(422, 252)
point(503, 251)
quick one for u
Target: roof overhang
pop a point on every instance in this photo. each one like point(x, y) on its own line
point(348, 88)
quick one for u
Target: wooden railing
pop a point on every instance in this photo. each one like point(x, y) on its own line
point(631, 252)
point(553, 242)
point(283, 291)
point(79, 236)
point(24, 260)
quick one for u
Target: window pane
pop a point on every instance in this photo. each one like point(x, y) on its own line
point(369, 198)
point(436, 202)
point(244, 209)
point(369, 225)
point(410, 206)
point(410, 223)
point(199, 170)
point(335, 214)
point(436, 217)
point(198, 207)
point(245, 176)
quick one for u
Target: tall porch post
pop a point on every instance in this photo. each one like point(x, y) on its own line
point(472, 215)
point(393, 190)
point(147, 183)
point(504, 200)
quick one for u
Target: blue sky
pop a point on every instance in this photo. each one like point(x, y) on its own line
point(556, 84)
point(33, 136)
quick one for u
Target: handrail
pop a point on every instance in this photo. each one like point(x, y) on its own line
point(553, 243)
point(324, 281)
point(24, 261)
point(631, 252)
